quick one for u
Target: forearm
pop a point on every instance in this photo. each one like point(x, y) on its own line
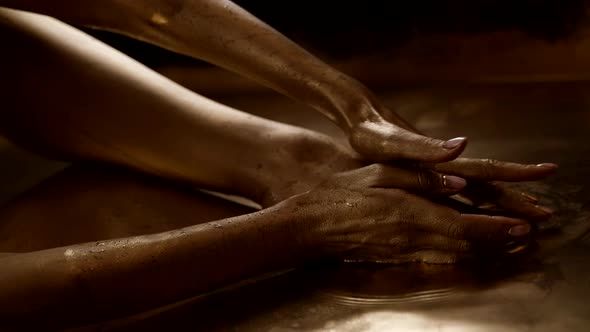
point(222, 33)
point(66, 93)
point(107, 279)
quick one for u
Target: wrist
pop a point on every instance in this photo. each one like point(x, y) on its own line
point(294, 223)
point(308, 158)
point(349, 102)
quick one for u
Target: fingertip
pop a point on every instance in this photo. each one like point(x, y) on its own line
point(412, 146)
point(529, 198)
point(548, 166)
point(520, 230)
point(454, 182)
point(546, 169)
point(520, 172)
point(451, 149)
point(455, 143)
point(540, 212)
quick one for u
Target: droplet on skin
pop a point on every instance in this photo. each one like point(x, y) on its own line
point(158, 19)
point(69, 253)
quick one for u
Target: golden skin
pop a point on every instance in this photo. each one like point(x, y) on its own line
point(118, 111)
point(224, 34)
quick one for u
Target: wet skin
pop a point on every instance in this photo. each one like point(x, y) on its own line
point(320, 198)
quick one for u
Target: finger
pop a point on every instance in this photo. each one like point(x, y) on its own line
point(494, 170)
point(517, 204)
point(474, 227)
point(383, 141)
point(509, 200)
point(530, 199)
point(432, 241)
point(421, 180)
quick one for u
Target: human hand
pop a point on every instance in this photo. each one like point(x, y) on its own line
point(484, 190)
point(356, 215)
point(313, 158)
point(380, 134)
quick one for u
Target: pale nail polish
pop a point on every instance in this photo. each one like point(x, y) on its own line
point(545, 210)
point(530, 198)
point(454, 182)
point(454, 142)
point(548, 165)
point(520, 230)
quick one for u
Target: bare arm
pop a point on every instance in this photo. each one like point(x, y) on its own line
point(222, 33)
point(219, 32)
point(102, 280)
point(352, 215)
point(67, 94)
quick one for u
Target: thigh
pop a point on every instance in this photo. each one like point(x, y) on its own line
point(88, 203)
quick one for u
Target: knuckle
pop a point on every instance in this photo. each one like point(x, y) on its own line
point(429, 141)
point(428, 180)
point(488, 168)
point(491, 162)
point(378, 169)
point(455, 230)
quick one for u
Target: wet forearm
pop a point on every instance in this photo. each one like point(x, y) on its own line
point(86, 100)
point(224, 34)
point(101, 280)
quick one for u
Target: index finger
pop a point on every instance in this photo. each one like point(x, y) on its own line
point(494, 170)
point(478, 227)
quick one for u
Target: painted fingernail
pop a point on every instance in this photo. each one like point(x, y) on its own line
point(454, 182)
point(520, 230)
point(454, 142)
point(545, 210)
point(530, 198)
point(548, 165)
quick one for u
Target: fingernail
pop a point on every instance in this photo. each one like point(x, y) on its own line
point(454, 182)
point(530, 198)
point(548, 165)
point(520, 230)
point(545, 209)
point(454, 142)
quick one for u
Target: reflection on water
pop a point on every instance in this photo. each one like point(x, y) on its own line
point(363, 284)
point(416, 284)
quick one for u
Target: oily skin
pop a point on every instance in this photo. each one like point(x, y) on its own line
point(353, 215)
point(118, 111)
point(224, 34)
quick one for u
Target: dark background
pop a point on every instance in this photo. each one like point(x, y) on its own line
point(344, 29)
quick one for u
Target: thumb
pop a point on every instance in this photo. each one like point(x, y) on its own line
point(384, 141)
